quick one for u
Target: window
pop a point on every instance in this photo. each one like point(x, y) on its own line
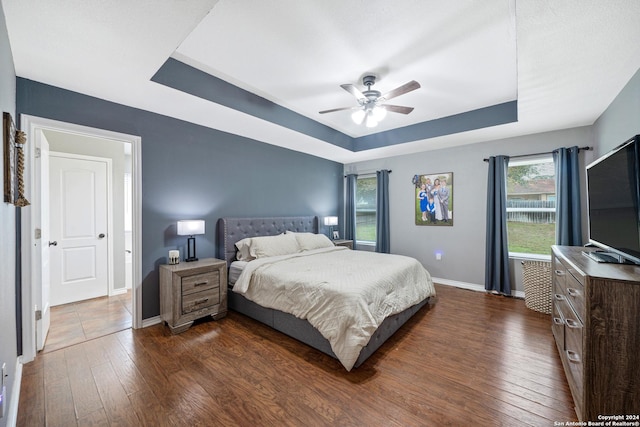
point(366, 188)
point(531, 205)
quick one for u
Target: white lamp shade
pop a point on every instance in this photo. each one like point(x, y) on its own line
point(190, 227)
point(330, 220)
point(371, 121)
point(358, 116)
point(379, 113)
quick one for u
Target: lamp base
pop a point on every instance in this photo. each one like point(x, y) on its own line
point(191, 249)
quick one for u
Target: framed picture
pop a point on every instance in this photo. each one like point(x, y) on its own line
point(336, 235)
point(8, 146)
point(434, 199)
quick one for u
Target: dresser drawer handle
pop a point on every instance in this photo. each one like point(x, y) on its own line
point(558, 321)
point(559, 273)
point(559, 297)
point(573, 356)
point(573, 324)
point(201, 301)
point(573, 292)
point(201, 283)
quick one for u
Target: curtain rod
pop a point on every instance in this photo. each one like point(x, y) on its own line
point(368, 173)
point(587, 148)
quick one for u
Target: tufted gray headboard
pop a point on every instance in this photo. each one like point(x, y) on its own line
point(231, 230)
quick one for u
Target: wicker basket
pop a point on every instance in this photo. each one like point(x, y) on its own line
point(537, 285)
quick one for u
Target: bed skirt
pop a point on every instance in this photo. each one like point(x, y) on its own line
point(303, 331)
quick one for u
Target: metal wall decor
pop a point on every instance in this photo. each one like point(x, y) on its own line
point(13, 166)
point(9, 166)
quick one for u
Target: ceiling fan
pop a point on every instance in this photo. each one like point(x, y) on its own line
point(371, 107)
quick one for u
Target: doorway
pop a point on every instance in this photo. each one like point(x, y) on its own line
point(125, 154)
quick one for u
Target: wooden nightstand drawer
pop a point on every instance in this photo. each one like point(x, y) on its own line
point(199, 300)
point(200, 282)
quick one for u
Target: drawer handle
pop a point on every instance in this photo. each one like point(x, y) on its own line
point(201, 301)
point(573, 324)
point(201, 283)
point(573, 292)
point(559, 273)
point(559, 297)
point(558, 321)
point(573, 356)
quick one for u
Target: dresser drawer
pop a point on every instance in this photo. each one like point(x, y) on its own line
point(559, 274)
point(200, 282)
point(200, 300)
point(573, 348)
point(557, 325)
point(574, 291)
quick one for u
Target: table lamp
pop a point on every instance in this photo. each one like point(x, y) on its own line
point(190, 228)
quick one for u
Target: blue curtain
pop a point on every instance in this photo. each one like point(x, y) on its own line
point(497, 275)
point(568, 213)
point(383, 243)
point(350, 208)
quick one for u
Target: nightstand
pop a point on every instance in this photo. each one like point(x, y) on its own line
point(343, 242)
point(191, 290)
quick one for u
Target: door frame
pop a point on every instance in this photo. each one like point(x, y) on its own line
point(110, 255)
point(33, 127)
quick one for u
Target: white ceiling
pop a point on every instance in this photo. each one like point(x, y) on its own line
point(564, 61)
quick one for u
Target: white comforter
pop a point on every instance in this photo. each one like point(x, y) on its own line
point(345, 294)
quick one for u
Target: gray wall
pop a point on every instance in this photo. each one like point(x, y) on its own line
point(192, 172)
point(8, 311)
point(463, 245)
point(621, 120)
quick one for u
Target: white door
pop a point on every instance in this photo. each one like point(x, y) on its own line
point(78, 220)
point(42, 190)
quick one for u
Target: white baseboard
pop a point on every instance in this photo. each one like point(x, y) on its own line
point(470, 286)
point(151, 321)
point(12, 416)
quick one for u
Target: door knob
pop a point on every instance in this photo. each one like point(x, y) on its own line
point(54, 243)
point(101, 235)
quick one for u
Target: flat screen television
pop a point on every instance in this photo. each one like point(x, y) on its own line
point(613, 185)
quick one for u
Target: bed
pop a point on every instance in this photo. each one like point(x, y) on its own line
point(299, 319)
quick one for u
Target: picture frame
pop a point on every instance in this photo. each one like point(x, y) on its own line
point(433, 199)
point(336, 235)
point(9, 151)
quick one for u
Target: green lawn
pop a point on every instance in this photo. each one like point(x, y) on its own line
point(531, 238)
point(366, 232)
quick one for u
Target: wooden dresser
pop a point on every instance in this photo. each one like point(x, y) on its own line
point(596, 325)
point(191, 290)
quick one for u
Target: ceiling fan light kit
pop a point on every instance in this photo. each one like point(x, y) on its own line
point(371, 108)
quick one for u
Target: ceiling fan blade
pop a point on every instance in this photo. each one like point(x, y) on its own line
point(407, 87)
point(353, 91)
point(339, 109)
point(397, 109)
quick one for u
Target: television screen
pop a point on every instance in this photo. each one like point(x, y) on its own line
point(612, 189)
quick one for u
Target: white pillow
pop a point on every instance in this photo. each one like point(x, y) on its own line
point(244, 253)
point(266, 246)
point(310, 241)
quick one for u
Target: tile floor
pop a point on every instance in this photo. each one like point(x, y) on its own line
point(81, 321)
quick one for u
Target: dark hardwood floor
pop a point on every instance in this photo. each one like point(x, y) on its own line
point(80, 321)
point(467, 358)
